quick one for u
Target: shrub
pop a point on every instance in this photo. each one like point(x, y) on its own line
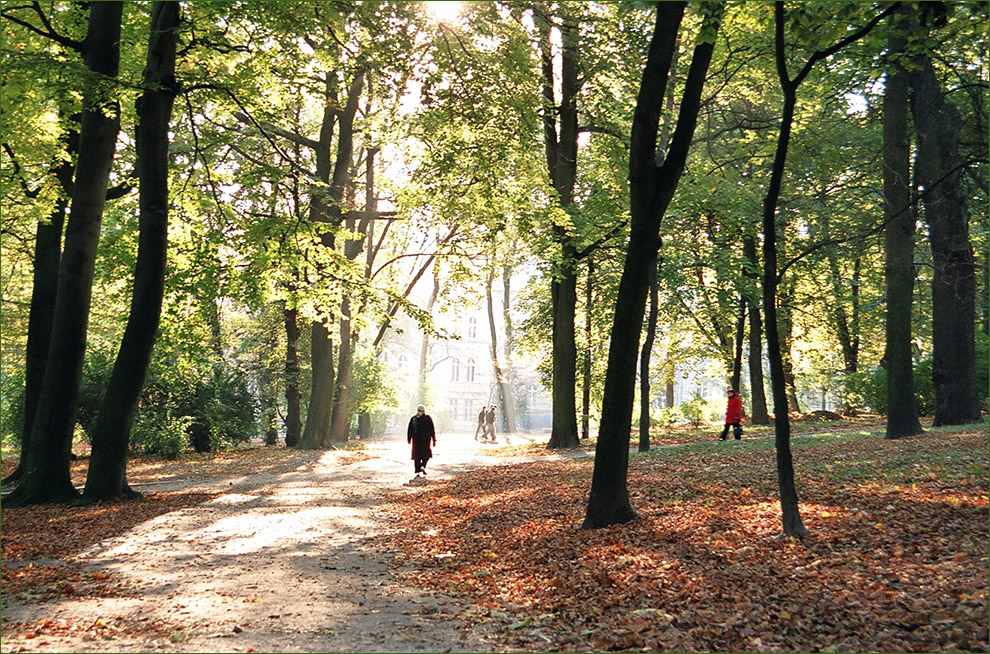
point(161, 434)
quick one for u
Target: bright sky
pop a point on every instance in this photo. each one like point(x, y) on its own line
point(445, 11)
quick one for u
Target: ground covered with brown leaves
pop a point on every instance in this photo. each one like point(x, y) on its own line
point(897, 559)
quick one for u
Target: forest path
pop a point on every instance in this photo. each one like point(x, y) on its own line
point(276, 563)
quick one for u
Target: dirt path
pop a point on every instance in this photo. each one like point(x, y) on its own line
point(279, 563)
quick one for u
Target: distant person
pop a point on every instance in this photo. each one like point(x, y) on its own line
point(490, 421)
point(481, 423)
point(733, 416)
point(421, 434)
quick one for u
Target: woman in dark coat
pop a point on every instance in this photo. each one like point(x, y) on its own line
point(421, 433)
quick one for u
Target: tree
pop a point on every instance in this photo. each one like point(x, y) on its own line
point(652, 187)
point(107, 477)
point(899, 219)
point(46, 477)
point(560, 130)
point(792, 524)
point(939, 170)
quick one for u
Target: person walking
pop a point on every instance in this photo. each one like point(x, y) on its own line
point(481, 430)
point(421, 433)
point(490, 422)
point(733, 416)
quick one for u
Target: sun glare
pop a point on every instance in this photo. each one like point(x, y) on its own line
point(445, 11)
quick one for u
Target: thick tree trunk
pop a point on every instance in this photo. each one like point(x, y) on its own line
point(651, 190)
point(46, 476)
point(938, 125)
point(340, 420)
point(316, 434)
point(561, 157)
point(563, 433)
point(899, 218)
point(644, 363)
point(107, 476)
point(293, 417)
point(47, 254)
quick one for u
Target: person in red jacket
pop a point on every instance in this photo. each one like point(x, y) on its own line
point(733, 416)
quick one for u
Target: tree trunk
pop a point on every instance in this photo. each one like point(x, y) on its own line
point(563, 433)
point(899, 218)
point(505, 391)
point(668, 399)
point(758, 398)
point(588, 350)
point(340, 420)
point(425, 346)
point(651, 190)
point(785, 322)
point(511, 408)
point(46, 476)
point(561, 156)
point(293, 419)
point(736, 377)
point(47, 254)
point(791, 518)
point(644, 363)
point(316, 434)
point(107, 476)
point(938, 125)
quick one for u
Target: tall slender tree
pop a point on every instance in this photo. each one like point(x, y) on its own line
point(652, 187)
point(791, 517)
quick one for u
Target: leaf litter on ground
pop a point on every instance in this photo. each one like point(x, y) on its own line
point(897, 559)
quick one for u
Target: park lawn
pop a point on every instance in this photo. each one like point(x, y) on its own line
point(897, 559)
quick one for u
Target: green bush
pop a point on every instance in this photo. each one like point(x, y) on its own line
point(666, 417)
point(698, 410)
point(161, 434)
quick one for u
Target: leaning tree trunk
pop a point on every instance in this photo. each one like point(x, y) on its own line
point(651, 190)
point(899, 219)
point(107, 476)
point(47, 254)
point(644, 363)
point(46, 476)
point(938, 125)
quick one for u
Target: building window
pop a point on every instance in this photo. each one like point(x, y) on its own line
point(472, 328)
point(403, 360)
point(455, 369)
point(469, 373)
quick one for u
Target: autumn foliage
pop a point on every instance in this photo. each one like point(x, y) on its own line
point(897, 560)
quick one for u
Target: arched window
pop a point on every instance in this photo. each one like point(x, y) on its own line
point(403, 360)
